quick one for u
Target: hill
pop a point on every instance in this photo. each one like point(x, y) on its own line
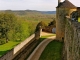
point(48, 12)
point(24, 12)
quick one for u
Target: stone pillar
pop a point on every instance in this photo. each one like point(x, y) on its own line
point(38, 33)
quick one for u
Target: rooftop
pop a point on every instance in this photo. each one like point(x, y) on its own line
point(66, 4)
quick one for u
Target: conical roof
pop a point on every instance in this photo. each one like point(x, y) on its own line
point(66, 4)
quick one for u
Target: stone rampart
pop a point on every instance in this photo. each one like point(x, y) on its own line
point(22, 50)
point(72, 40)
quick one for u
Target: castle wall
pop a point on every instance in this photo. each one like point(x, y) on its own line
point(72, 40)
point(60, 21)
point(78, 9)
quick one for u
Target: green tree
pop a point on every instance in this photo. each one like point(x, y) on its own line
point(40, 24)
point(52, 23)
point(7, 22)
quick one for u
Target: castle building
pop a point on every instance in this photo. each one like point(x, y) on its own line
point(63, 9)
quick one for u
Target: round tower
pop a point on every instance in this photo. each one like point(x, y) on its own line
point(63, 9)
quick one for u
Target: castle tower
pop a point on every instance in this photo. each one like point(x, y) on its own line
point(62, 10)
point(59, 1)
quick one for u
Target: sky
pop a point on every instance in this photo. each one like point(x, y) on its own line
point(41, 5)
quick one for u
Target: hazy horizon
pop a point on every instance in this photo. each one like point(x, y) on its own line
point(39, 5)
point(25, 10)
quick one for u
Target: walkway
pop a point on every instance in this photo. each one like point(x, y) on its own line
point(45, 33)
point(39, 49)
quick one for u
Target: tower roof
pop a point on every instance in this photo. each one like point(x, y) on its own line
point(66, 4)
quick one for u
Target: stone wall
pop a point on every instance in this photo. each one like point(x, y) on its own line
point(22, 50)
point(60, 21)
point(8, 56)
point(24, 54)
point(78, 9)
point(72, 40)
point(16, 50)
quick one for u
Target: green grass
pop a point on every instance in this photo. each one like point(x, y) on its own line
point(6, 47)
point(52, 51)
point(79, 19)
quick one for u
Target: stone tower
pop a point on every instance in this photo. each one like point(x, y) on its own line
point(59, 1)
point(63, 9)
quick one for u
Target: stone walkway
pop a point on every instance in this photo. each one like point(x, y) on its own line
point(46, 33)
point(39, 49)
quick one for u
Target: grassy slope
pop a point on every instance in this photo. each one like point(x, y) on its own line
point(6, 47)
point(52, 51)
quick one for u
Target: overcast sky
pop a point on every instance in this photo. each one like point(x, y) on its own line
point(41, 5)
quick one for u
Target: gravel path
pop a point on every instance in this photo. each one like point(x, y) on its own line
point(39, 49)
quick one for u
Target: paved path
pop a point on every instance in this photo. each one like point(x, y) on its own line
point(39, 49)
point(46, 33)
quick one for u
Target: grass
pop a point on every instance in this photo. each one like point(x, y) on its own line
point(52, 51)
point(6, 47)
point(79, 19)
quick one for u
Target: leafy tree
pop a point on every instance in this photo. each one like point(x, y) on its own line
point(40, 24)
point(52, 23)
point(7, 22)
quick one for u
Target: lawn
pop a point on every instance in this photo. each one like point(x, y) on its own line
point(6, 47)
point(52, 51)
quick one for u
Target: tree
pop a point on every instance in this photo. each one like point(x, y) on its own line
point(7, 22)
point(52, 23)
point(40, 24)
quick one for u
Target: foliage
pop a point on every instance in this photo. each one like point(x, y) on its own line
point(40, 25)
point(7, 22)
point(21, 30)
point(15, 28)
point(18, 27)
point(52, 23)
point(11, 28)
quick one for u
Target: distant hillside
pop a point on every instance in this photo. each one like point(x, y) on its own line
point(48, 12)
point(24, 12)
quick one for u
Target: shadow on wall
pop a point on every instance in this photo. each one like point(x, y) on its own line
point(50, 29)
point(3, 52)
